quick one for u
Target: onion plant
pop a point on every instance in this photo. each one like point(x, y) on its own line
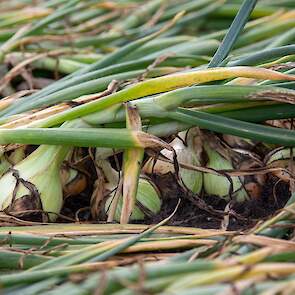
point(115, 115)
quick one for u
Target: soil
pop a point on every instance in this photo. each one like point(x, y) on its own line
point(274, 196)
point(244, 215)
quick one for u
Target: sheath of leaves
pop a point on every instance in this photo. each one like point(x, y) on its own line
point(132, 160)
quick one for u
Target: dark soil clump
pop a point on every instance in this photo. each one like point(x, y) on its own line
point(207, 212)
point(274, 196)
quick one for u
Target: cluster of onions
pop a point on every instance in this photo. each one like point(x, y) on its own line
point(198, 148)
point(41, 182)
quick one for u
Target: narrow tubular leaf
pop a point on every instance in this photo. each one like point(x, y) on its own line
point(83, 137)
point(235, 127)
point(233, 33)
point(264, 56)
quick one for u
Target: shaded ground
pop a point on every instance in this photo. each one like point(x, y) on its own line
point(248, 213)
point(274, 196)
